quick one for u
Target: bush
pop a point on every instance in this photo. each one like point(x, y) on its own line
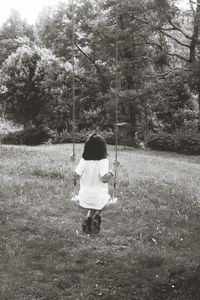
point(168, 142)
point(80, 137)
point(161, 141)
point(189, 145)
point(7, 126)
point(30, 136)
point(67, 137)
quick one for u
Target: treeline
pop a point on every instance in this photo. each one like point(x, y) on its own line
point(158, 67)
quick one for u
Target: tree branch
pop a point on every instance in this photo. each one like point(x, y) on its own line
point(166, 73)
point(96, 66)
point(146, 58)
point(196, 3)
point(173, 38)
point(141, 20)
point(175, 27)
point(192, 8)
point(165, 33)
point(152, 43)
point(179, 56)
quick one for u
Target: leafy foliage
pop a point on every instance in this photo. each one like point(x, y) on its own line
point(15, 32)
point(189, 144)
point(66, 137)
point(157, 67)
point(36, 87)
point(29, 136)
point(186, 144)
point(162, 142)
point(7, 127)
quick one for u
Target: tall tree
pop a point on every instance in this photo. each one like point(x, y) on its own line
point(14, 33)
point(36, 88)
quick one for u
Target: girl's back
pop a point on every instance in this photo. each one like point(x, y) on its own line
point(91, 172)
point(93, 192)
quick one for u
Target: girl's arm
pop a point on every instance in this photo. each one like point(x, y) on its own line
point(80, 168)
point(105, 173)
point(76, 175)
point(110, 174)
point(107, 177)
point(78, 171)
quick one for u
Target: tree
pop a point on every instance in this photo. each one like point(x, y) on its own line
point(36, 85)
point(14, 33)
point(155, 47)
point(180, 32)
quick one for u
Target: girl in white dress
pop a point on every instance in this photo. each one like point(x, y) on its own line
point(93, 171)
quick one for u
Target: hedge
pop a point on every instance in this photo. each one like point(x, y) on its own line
point(30, 136)
point(80, 137)
point(162, 142)
point(41, 134)
point(188, 144)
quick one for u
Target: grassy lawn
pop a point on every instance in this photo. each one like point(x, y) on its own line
point(149, 244)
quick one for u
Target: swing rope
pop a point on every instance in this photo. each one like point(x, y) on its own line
point(73, 85)
point(116, 94)
point(116, 80)
point(73, 157)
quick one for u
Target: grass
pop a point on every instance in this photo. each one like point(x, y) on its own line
point(148, 247)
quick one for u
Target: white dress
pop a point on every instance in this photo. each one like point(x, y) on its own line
point(93, 193)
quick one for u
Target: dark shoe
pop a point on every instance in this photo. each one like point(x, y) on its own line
point(86, 225)
point(96, 222)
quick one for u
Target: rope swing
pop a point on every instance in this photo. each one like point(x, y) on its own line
point(73, 157)
point(116, 162)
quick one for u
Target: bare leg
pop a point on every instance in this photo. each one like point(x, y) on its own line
point(96, 222)
point(91, 213)
point(86, 225)
point(98, 212)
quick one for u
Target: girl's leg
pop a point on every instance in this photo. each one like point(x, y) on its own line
point(86, 225)
point(96, 222)
point(91, 213)
point(98, 212)
point(92, 222)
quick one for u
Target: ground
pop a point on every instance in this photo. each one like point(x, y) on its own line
point(148, 247)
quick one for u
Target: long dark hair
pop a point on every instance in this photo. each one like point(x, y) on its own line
point(95, 148)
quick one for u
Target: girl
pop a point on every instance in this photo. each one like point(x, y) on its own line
point(94, 174)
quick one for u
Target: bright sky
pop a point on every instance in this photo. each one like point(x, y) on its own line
point(184, 3)
point(30, 9)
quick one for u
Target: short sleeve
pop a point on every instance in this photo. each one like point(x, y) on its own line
point(104, 164)
point(80, 168)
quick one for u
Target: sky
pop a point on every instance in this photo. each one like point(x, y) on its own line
point(30, 9)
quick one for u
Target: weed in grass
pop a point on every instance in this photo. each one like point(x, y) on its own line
point(51, 174)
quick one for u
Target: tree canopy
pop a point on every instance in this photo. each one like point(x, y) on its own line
point(158, 66)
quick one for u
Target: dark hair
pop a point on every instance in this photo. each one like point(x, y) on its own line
point(95, 148)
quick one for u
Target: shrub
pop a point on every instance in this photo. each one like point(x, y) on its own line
point(7, 126)
point(29, 136)
point(161, 141)
point(80, 137)
point(187, 144)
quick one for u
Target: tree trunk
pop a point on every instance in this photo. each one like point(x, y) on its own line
point(198, 127)
point(132, 114)
point(195, 34)
point(193, 46)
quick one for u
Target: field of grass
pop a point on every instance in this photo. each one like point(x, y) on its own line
point(149, 244)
